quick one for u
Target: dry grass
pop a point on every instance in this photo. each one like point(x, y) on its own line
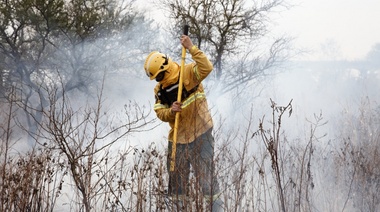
point(265, 172)
point(357, 157)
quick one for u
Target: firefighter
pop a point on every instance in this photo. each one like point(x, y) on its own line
point(195, 142)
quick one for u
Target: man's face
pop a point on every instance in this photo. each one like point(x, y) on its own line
point(160, 76)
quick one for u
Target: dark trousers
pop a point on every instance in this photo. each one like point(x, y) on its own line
point(198, 155)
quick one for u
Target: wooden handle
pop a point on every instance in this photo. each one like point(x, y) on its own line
point(179, 96)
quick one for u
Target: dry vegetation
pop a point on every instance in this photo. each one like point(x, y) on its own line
point(73, 166)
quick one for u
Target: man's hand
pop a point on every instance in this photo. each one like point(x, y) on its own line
point(186, 42)
point(176, 107)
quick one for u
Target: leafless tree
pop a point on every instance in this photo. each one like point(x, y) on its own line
point(228, 31)
point(83, 136)
point(28, 177)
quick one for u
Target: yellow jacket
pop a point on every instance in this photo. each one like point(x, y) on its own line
point(195, 118)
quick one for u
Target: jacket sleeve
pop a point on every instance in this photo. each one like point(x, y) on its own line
point(163, 111)
point(202, 67)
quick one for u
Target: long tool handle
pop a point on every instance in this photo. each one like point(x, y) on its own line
point(179, 96)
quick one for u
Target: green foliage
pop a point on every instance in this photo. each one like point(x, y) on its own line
point(32, 31)
point(50, 44)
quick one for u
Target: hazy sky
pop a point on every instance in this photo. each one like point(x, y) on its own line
point(338, 29)
point(352, 27)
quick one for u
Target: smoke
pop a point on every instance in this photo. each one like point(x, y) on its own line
point(315, 88)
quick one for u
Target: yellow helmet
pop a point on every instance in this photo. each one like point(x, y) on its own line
point(156, 63)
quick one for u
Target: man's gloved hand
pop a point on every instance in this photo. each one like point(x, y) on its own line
point(176, 107)
point(186, 42)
